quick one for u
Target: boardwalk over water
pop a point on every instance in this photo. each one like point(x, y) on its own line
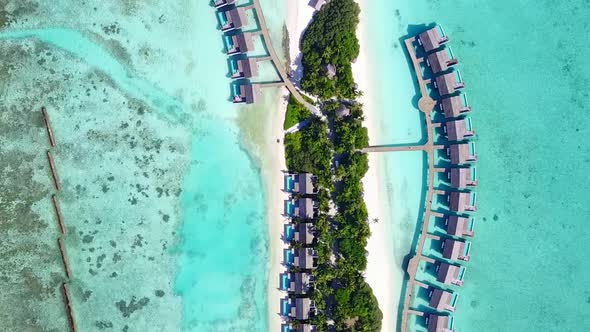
point(278, 65)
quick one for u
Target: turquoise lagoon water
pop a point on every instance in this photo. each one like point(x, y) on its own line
point(528, 82)
point(162, 194)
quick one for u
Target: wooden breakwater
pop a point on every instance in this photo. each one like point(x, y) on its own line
point(64, 257)
point(48, 125)
point(60, 218)
point(53, 171)
point(70, 311)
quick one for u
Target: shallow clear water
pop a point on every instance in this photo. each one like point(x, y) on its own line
point(528, 82)
point(162, 194)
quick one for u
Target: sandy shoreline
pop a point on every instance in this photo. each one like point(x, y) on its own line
point(386, 285)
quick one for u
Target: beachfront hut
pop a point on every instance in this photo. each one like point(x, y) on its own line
point(222, 3)
point(300, 283)
point(449, 83)
point(305, 208)
point(305, 258)
point(441, 60)
point(462, 201)
point(301, 308)
point(458, 130)
point(241, 43)
point(305, 184)
point(317, 4)
point(439, 323)
point(330, 70)
point(342, 111)
point(462, 177)
point(442, 300)
point(246, 68)
point(305, 328)
point(449, 274)
point(454, 250)
point(304, 233)
point(454, 106)
point(459, 226)
point(248, 93)
point(433, 38)
point(235, 18)
point(462, 153)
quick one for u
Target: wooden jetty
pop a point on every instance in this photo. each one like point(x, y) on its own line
point(60, 218)
point(48, 125)
point(426, 105)
point(53, 171)
point(64, 257)
point(69, 309)
point(277, 62)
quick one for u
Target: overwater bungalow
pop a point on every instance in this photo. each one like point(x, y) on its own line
point(305, 258)
point(439, 323)
point(441, 300)
point(300, 283)
point(459, 130)
point(462, 201)
point(246, 93)
point(244, 68)
point(455, 106)
point(449, 83)
point(462, 153)
point(303, 183)
point(460, 226)
point(234, 18)
point(456, 250)
point(305, 208)
point(304, 233)
point(441, 60)
point(301, 308)
point(317, 4)
point(240, 43)
point(450, 274)
point(463, 177)
point(433, 38)
point(222, 3)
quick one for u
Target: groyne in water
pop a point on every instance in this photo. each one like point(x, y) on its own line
point(60, 219)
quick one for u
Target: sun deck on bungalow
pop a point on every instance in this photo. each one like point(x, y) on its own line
point(301, 308)
point(235, 18)
point(449, 83)
point(441, 61)
point(245, 68)
point(450, 274)
point(459, 130)
point(442, 300)
point(432, 39)
point(240, 43)
point(462, 153)
point(300, 283)
point(455, 106)
point(462, 201)
point(246, 93)
point(456, 250)
point(304, 233)
point(305, 258)
point(460, 226)
point(462, 177)
point(440, 323)
point(222, 3)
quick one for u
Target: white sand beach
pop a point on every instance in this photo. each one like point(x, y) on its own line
point(380, 275)
point(299, 14)
point(275, 168)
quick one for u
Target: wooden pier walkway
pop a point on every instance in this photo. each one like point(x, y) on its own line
point(426, 104)
point(275, 59)
point(391, 148)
